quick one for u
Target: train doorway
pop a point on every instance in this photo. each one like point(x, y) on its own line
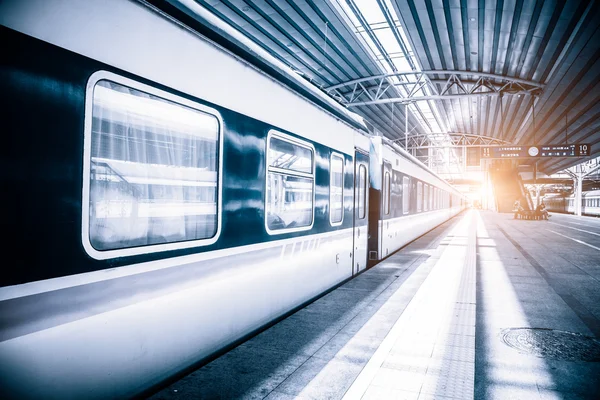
point(361, 207)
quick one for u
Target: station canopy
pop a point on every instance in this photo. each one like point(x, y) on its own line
point(503, 71)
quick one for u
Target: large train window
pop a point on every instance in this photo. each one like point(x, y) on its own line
point(290, 184)
point(151, 170)
point(386, 193)
point(426, 198)
point(405, 194)
point(419, 196)
point(336, 189)
point(362, 191)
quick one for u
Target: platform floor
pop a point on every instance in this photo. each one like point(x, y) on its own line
point(435, 320)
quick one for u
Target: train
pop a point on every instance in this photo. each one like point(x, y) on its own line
point(166, 199)
point(565, 203)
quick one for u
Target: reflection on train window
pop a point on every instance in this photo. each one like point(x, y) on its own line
point(153, 170)
point(419, 196)
point(405, 194)
point(386, 193)
point(431, 198)
point(426, 198)
point(290, 185)
point(362, 191)
point(336, 189)
point(289, 156)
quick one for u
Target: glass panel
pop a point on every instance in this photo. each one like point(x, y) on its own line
point(426, 199)
point(419, 196)
point(336, 189)
point(386, 194)
point(287, 155)
point(289, 201)
point(405, 194)
point(431, 198)
point(362, 191)
point(153, 170)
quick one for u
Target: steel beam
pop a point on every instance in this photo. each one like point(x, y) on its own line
point(420, 87)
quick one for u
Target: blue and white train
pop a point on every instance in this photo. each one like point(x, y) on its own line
point(164, 200)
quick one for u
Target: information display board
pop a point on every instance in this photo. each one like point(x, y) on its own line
point(542, 151)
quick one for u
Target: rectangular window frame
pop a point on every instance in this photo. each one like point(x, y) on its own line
point(341, 157)
point(431, 198)
point(419, 196)
point(386, 193)
point(87, 150)
point(362, 211)
point(298, 142)
point(405, 195)
point(425, 197)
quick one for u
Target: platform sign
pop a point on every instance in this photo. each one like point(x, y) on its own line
point(542, 151)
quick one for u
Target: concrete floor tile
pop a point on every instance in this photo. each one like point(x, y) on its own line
point(348, 347)
point(506, 391)
point(407, 363)
point(582, 378)
point(400, 380)
point(429, 396)
point(321, 380)
point(244, 373)
point(377, 393)
point(276, 395)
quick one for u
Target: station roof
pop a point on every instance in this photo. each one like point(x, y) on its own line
point(550, 49)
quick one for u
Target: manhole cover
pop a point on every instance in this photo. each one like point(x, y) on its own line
point(552, 343)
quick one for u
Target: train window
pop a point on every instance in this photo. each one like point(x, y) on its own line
point(431, 197)
point(419, 196)
point(336, 189)
point(426, 198)
point(290, 184)
point(362, 191)
point(386, 193)
point(151, 170)
point(405, 194)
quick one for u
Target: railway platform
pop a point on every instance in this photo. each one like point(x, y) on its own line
point(482, 307)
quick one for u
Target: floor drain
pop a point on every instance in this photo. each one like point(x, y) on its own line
point(551, 343)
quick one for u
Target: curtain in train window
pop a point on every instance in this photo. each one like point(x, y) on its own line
point(290, 185)
point(153, 170)
point(405, 194)
point(426, 197)
point(419, 196)
point(362, 191)
point(336, 189)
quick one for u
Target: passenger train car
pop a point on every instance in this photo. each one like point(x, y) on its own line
point(590, 203)
point(164, 200)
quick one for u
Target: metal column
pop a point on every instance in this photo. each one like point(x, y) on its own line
point(578, 190)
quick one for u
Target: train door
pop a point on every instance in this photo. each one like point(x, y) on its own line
point(361, 215)
point(386, 209)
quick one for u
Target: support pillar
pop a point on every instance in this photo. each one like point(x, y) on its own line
point(578, 190)
point(538, 189)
